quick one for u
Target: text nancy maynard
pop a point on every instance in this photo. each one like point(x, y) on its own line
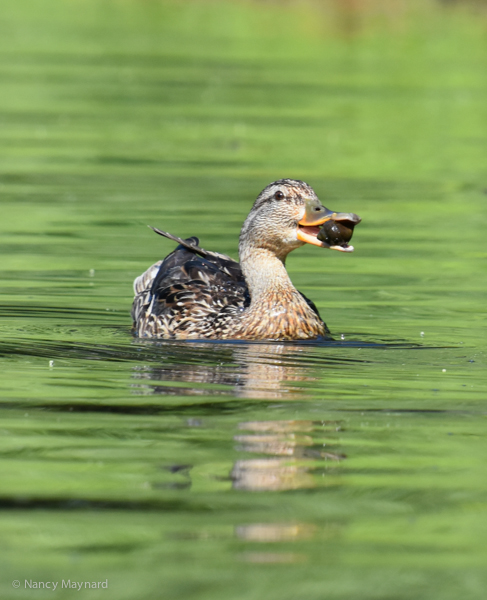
point(78, 585)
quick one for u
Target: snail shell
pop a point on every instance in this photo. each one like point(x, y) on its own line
point(336, 233)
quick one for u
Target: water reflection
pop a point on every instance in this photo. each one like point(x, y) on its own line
point(296, 454)
point(275, 532)
point(266, 371)
point(286, 454)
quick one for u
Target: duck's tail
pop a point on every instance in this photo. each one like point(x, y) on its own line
point(190, 243)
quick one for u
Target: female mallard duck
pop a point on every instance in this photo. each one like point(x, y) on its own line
point(197, 294)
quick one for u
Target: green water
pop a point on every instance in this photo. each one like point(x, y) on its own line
point(352, 470)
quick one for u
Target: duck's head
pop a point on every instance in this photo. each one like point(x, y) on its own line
point(288, 214)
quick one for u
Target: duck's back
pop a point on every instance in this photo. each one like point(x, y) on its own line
point(191, 293)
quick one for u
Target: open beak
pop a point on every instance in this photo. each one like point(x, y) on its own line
point(314, 218)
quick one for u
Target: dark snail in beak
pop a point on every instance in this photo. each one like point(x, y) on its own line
point(337, 233)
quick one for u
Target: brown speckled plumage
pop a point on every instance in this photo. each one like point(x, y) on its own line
point(197, 294)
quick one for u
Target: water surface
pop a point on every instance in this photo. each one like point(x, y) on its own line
point(346, 469)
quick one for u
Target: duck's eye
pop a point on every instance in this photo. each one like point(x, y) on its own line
point(278, 195)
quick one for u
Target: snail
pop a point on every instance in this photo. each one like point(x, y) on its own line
point(338, 233)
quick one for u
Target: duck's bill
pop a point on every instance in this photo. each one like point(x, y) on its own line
point(331, 230)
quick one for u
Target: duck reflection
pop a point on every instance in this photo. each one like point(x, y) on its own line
point(275, 532)
point(298, 454)
point(287, 454)
point(264, 371)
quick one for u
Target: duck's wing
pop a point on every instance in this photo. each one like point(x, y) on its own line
point(191, 292)
point(311, 304)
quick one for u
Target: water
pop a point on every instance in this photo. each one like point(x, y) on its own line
point(352, 469)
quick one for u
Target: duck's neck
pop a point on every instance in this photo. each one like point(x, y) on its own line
point(277, 310)
point(266, 277)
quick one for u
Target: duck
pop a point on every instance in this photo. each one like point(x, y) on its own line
point(194, 293)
